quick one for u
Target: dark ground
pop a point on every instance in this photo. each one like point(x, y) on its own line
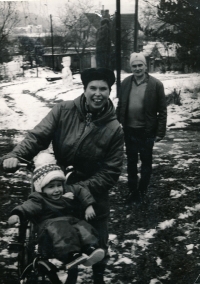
point(165, 257)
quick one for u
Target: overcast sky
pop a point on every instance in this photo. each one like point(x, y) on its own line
point(126, 5)
point(53, 6)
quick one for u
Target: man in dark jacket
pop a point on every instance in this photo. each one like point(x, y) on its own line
point(85, 134)
point(142, 112)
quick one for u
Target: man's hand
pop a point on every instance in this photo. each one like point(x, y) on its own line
point(69, 195)
point(10, 163)
point(89, 213)
point(157, 139)
point(14, 219)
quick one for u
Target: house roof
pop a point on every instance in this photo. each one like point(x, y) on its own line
point(148, 48)
point(127, 20)
point(155, 24)
point(152, 45)
point(70, 51)
point(94, 19)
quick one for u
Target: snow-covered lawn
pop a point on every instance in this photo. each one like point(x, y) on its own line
point(151, 245)
point(25, 100)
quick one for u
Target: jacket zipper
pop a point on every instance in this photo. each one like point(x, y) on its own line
point(82, 137)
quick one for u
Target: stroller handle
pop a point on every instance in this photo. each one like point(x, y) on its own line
point(21, 164)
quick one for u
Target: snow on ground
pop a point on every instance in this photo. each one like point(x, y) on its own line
point(189, 87)
point(19, 98)
point(26, 100)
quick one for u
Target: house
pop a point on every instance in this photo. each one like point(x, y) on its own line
point(127, 38)
point(80, 45)
point(127, 35)
point(85, 56)
point(29, 29)
point(87, 61)
point(82, 41)
point(159, 56)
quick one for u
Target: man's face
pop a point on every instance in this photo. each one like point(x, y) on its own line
point(138, 68)
point(97, 94)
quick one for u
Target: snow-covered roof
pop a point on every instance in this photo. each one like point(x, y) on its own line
point(69, 51)
point(163, 48)
point(94, 19)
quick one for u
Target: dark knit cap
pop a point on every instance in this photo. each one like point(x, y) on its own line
point(93, 74)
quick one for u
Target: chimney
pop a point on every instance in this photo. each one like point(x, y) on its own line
point(106, 14)
point(102, 11)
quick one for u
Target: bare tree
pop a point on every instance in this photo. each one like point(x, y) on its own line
point(8, 20)
point(80, 32)
point(148, 13)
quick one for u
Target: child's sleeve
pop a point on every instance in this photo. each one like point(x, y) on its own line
point(30, 209)
point(83, 195)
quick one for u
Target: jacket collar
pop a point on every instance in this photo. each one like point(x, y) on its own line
point(145, 80)
point(108, 114)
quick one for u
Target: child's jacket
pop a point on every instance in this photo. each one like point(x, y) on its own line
point(58, 229)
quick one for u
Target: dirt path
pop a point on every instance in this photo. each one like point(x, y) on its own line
point(143, 250)
point(163, 252)
point(158, 243)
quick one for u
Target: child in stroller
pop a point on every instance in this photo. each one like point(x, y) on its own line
point(59, 231)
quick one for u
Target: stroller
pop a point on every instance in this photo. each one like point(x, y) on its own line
point(33, 259)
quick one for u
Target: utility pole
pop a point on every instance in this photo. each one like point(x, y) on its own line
point(136, 27)
point(36, 60)
point(118, 45)
point(52, 47)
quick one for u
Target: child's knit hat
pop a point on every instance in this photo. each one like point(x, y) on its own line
point(45, 171)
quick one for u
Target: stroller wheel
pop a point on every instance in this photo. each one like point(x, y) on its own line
point(42, 273)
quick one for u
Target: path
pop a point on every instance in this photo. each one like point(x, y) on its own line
point(156, 244)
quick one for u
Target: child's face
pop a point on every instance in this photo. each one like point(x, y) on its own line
point(54, 189)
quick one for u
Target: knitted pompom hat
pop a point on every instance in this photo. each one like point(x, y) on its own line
point(45, 171)
point(137, 56)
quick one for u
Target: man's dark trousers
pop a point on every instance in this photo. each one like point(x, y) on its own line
point(137, 142)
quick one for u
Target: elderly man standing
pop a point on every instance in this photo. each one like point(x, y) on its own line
point(143, 114)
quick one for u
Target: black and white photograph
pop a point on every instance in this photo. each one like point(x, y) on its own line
point(100, 142)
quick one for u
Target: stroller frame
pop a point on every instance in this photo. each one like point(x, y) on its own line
point(33, 265)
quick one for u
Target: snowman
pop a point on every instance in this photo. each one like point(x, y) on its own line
point(66, 72)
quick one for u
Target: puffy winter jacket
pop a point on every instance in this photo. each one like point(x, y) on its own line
point(59, 231)
point(39, 208)
point(154, 104)
point(94, 150)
